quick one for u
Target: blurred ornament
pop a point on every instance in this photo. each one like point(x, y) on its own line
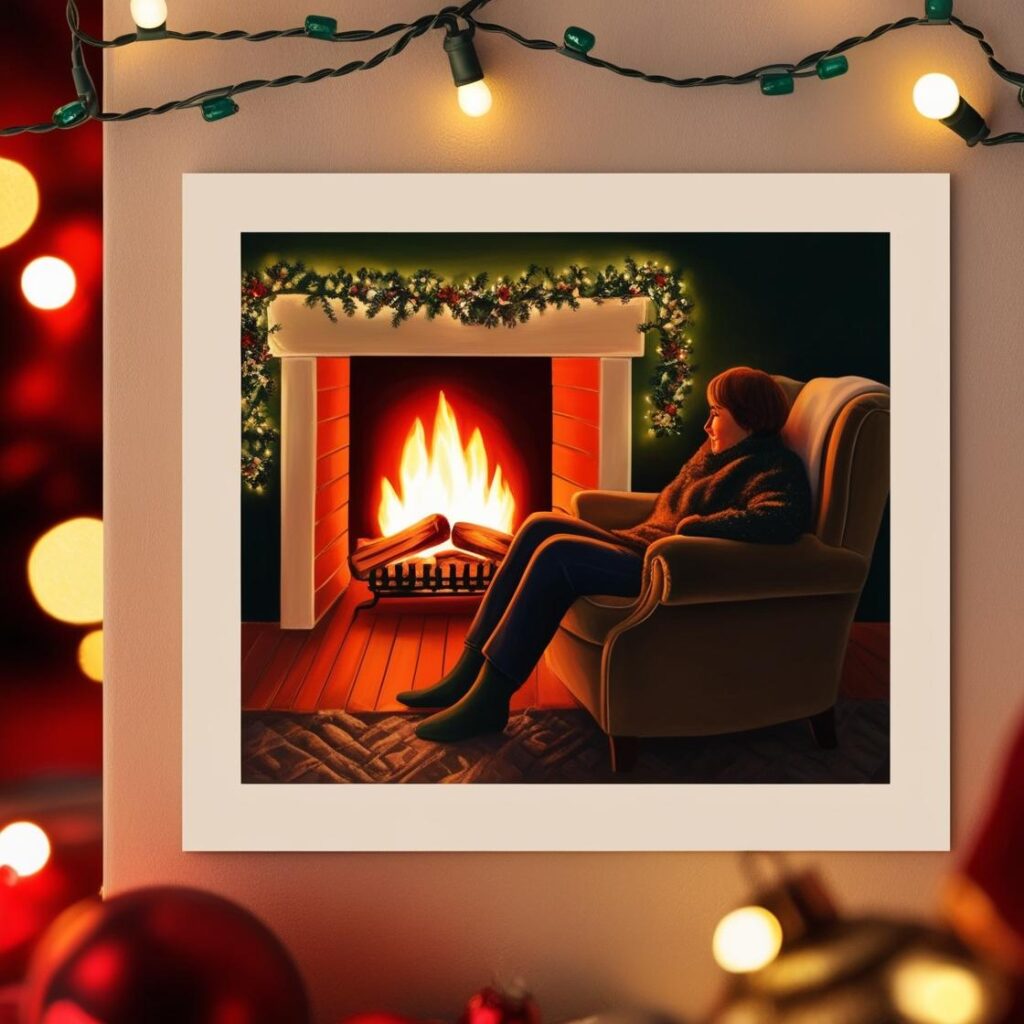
point(859, 970)
point(19, 200)
point(24, 848)
point(90, 655)
point(48, 282)
point(163, 956)
point(501, 1005)
point(65, 571)
point(984, 899)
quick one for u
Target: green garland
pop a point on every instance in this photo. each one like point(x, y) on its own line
point(504, 303)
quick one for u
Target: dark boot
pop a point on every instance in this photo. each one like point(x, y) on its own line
point(483, 709)
point(452, 688)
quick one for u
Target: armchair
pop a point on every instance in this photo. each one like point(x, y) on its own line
point(726, 635)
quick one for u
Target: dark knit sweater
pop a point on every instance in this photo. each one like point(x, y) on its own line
point(756, 490)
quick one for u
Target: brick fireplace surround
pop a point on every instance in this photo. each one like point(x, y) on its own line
point(590, 351)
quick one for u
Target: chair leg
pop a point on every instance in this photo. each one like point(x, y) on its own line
point(623, 751)
point(823, 728)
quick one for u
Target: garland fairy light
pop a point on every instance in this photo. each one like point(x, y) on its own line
point(475, 301)
point(935, 95)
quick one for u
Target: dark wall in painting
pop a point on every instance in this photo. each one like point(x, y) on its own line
point(803, 305)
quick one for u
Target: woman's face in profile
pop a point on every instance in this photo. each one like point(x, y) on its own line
point(722, 429)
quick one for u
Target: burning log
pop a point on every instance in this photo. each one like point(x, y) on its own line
point(481, 540)
point(427, 533)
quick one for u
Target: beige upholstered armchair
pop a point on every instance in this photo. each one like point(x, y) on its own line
point(727, 635)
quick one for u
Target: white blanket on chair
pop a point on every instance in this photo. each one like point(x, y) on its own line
point(816, 407)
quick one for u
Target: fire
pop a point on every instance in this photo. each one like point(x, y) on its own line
point(448, 480)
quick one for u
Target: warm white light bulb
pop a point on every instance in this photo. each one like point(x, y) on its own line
point(24, 847)
point(747, 940)
point(475, 98)
point(48, 283)
point(149, 13)
point(936, 95)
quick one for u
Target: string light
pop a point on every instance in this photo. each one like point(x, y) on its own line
point(48, 282)
point(937, 97)
point(149, 14)
point(474, 96)
point(473, 92)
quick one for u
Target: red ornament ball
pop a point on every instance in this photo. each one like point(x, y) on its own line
point(504, 293)
point(163, 956)
point(257, 290)
point(660, 280)
point(671, 408)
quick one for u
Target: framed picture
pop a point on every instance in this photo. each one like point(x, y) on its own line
point(557, 513)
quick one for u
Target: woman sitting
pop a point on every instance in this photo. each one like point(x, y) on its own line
point(742, 484)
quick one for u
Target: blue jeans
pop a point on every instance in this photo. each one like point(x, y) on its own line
point(553, 560)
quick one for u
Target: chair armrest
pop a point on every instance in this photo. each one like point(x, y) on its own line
point(706, 570)
point(613, 510)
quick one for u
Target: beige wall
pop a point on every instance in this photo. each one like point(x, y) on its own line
point(419, 932)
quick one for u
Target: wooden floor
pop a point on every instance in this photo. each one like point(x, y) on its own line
point(359, 662)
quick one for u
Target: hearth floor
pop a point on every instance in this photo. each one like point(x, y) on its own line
point(358, 662)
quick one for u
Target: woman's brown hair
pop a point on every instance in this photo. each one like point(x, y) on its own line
point(754, 398)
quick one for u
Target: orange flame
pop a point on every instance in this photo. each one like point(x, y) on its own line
point(449, 480)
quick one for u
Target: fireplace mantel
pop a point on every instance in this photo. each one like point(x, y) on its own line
point(606, 332)
point(607, 329)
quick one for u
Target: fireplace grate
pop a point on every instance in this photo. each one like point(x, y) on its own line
point(442, 579)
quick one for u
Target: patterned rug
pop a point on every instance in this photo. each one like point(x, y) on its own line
point(554, 746)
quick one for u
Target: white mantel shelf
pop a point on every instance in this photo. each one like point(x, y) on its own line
point(607, 329)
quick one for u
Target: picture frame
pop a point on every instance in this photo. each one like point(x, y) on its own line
point(909, 812)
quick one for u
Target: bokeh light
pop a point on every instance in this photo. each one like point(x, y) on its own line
point(90, 655)
point(65, 571)
point(24, 847)
point(929, 990)
point(19, 200)
point(48, 282)
point(747, 940)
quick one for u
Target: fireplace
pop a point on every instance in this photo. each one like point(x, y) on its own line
point(551, 400)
